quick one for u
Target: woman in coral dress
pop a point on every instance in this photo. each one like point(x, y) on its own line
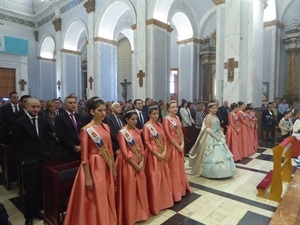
point(92, 199)
point(157, 170)
point(175, 146)
point(244, 131)
point(131, 197)
point(253, 118)
point(232, 133)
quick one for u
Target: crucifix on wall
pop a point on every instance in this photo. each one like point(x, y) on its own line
point(230, 66)
point(141, 75)
point(58, 85)
point(22, 83)
point(124, 91)
point(91, 82)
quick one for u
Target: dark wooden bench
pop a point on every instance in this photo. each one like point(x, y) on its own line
point(9, 165)
point(57, 183)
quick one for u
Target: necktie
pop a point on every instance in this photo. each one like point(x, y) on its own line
point(119, 122)
point(16, 108)
point(34, 124)
point(141, 118)
point(73, 121)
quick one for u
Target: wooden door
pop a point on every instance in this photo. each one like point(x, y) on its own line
point(7, 82)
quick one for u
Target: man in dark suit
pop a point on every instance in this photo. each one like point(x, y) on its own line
point(67, 128)
point(115, 123)
point(142, 116)
point(148, 103)
point(22, 111)
point(30, 141)
point(7, 116)
point(58, 106)
point(222, 114)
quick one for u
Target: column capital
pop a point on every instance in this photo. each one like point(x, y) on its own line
point(90, 6)
point(218, 2)
point(275, 22)
point(160, 24)
point(57, 24)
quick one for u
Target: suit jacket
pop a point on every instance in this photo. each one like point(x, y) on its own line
point(111, 121)
point(31, 148)
point(68, 136)
point(6, 121)
point(222, 114)
point(139, 124)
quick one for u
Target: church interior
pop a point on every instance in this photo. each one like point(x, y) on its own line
point(233, 50)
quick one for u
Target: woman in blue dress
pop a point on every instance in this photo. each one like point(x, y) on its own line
point(210, 156)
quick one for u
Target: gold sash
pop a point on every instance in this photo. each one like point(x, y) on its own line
point(100, 144)
point(129, 139)
point(155, 136)
point(177, 130)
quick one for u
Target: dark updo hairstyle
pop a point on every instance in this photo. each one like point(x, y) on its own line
point(89, 102)
point(233, 106)
point(128, 114)
point(169, 104)
point(152, 108)
point(249, 107)
point(240, 103)
point(94, 103)
point(211, 104)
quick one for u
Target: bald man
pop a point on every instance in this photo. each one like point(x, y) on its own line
point(30, 141)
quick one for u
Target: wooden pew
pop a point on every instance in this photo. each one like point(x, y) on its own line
point(9, 165)
point(288, 211)
point(57, 183)
point(281, 171)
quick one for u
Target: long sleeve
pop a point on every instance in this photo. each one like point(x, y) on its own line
point(296, 127)
point(124, 147)
point(84, 145)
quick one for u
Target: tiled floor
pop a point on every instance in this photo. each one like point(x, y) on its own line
point(225, 202)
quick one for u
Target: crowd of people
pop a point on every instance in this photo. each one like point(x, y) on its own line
point(132, 153)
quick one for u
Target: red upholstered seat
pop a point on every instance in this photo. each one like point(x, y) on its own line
point(265, 183)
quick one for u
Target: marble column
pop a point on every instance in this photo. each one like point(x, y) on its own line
point(90, 8)
point(158, 59)
point(208, 75)
point(292, 47)
point(58, 69)
point(272, 33)
point(105, 73)
point(71, 72)
point(188, 59)
point(239, 35)
point(140, 41)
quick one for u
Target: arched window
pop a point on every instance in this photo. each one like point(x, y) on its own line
point(47, 48)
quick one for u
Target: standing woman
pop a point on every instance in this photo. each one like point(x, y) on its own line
point(244, 131)
point(200, 117)
point(92, 198)
point(175, 146)
point(157, 170)
point(210, 156)
point(131, 197)
point(255, 126)
point(233, 133)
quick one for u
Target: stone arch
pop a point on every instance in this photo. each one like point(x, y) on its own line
point(75, 31)
point(47, 47)
point(206, 21)
point(284, 7)
point(116, 12)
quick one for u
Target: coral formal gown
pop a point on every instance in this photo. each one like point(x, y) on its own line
point(180, 184)
point(131, 196)
point(95, 206)
point(157, 171)
point(232, 136)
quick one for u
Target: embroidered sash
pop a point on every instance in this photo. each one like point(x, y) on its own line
point(155, 136)
point(100, 145)
point(129, 139)
point(177, 130)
